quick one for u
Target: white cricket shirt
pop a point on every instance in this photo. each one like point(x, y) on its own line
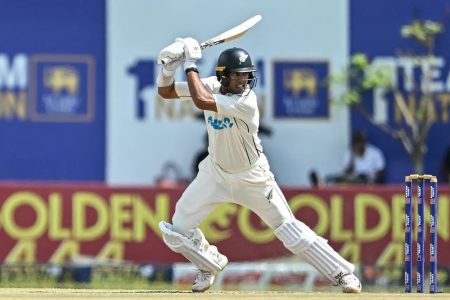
point(233, 130)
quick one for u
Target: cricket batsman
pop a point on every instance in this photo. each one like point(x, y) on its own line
point(236, 169)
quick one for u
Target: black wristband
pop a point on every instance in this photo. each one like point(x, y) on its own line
point(191, 69)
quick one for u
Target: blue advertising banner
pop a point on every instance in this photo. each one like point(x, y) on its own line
point(52, 90)
point(375, 30)
point(300, 90)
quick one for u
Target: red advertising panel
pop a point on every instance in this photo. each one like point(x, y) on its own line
point(53, 222)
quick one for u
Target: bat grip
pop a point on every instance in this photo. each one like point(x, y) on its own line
point(167, 60)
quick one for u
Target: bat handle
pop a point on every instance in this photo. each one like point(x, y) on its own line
point(167, 60)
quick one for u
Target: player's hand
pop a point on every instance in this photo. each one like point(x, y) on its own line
point(173, 52)
point(192, 51)
point(168, 69)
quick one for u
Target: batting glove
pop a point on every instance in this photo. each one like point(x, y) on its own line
point(173, 53)
point(192, 52)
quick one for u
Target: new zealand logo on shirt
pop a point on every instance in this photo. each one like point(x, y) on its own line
point(220, 124)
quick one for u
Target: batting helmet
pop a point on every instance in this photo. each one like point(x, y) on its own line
point(234, 60)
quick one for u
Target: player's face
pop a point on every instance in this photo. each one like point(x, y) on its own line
point(238, 82)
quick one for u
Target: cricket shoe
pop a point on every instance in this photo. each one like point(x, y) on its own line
point(203, 281)
point(350, 284)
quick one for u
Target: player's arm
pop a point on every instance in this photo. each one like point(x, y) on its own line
point(201, 97)
point(166, 80)
point(168, 92)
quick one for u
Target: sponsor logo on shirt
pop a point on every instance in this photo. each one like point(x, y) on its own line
point(220, 124)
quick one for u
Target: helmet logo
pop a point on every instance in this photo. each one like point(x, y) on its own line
point(242, 58)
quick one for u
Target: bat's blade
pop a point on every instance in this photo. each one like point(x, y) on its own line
point(228, 35)
point(233, 33)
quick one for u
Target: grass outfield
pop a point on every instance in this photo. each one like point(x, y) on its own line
point(26, 293)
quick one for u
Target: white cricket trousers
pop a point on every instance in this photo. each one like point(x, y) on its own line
point(257, 190)
point(254, 188)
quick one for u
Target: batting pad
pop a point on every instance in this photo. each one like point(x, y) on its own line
point(196, 249)
point(327, 261)
point(296, 236)
point(301, 240)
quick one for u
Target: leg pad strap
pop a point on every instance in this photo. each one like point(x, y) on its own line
point(295, 235)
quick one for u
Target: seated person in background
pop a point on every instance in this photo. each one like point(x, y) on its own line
point(445, 166)
point(363, 163)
